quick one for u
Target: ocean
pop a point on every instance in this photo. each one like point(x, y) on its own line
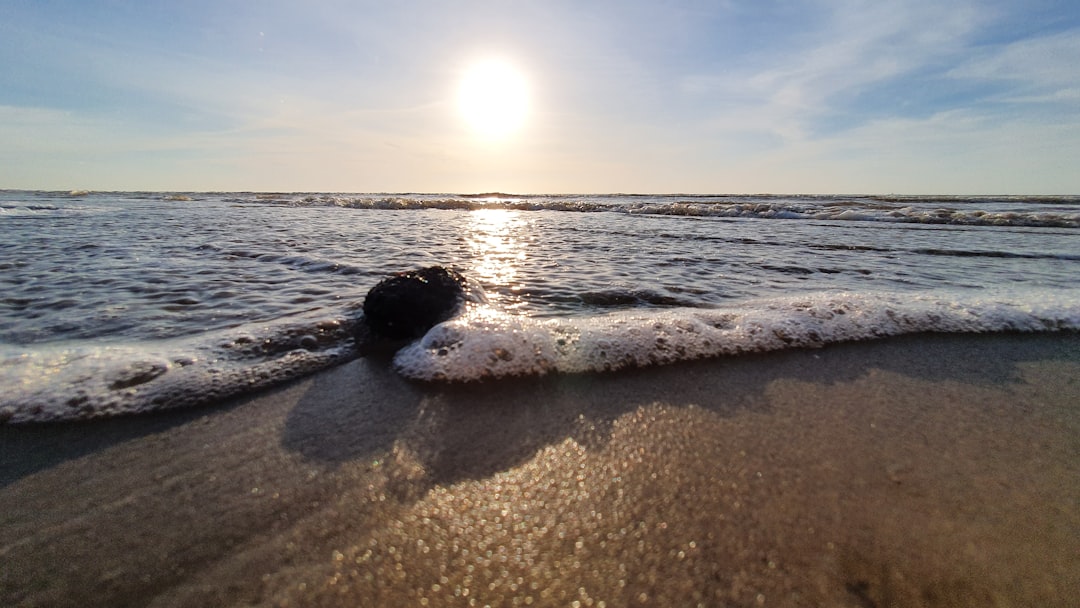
point(129, 302)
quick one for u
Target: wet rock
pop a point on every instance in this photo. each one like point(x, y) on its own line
point(406, 305)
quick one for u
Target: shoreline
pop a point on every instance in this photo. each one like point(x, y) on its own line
point(925, 470)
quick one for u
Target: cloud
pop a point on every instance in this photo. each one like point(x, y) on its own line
point(865, 43)
point(903, 97)
point(35, 129)
point(961, 151)
point(1042, 69)
point(859, 45)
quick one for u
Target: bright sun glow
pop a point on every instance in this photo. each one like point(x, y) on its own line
point(493, 99)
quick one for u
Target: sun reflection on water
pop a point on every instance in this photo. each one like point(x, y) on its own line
point(494, 240)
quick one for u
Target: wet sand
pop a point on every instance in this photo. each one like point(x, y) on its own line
point(919, 471)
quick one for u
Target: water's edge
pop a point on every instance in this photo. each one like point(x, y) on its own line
point(86, 381)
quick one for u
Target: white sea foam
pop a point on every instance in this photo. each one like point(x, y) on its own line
point(487, 344)
point(83, 380)
point(15, 210)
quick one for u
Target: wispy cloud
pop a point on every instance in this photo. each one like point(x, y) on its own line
point(1035, 70)
point(861, 45)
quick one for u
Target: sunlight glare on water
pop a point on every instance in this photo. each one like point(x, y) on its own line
point(494, 240)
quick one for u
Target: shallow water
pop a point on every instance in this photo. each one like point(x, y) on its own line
point(115, 302)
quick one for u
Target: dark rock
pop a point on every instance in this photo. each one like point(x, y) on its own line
point(406, 305)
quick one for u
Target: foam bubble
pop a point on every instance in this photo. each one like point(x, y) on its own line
point(487, 344)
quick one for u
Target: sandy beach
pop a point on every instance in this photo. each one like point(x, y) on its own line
point(918, 471)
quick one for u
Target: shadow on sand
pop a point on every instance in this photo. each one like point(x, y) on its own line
point(363, 410)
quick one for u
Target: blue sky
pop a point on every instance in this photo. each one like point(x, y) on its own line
point(852, 96)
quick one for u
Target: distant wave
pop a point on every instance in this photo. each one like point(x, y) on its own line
point(866, 213)
point(1043, 212)
point(1027, 211)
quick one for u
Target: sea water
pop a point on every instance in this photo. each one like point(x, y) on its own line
point(124, 302)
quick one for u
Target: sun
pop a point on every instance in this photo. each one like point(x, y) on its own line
point(493, 99)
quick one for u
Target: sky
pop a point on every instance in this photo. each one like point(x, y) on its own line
point(756, 96)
